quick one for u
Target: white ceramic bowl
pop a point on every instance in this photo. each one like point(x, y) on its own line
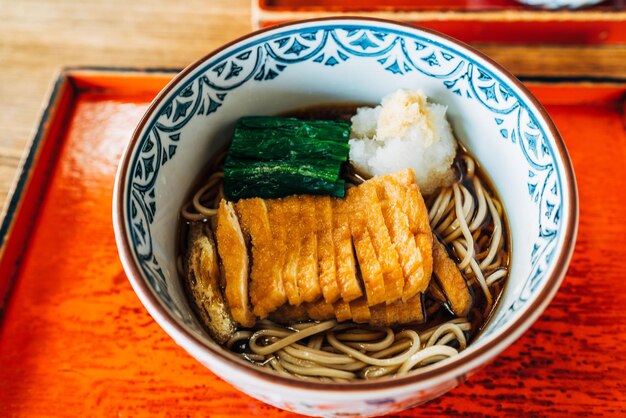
point(333, 61)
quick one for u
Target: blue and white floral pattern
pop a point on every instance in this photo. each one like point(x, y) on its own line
point(396, 51)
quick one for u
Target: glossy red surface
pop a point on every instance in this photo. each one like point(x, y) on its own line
point(499, 21)
point(596, 32)
point(75, 340)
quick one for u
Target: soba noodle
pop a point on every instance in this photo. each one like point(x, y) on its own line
point(465, 217)
point(458, 217)
point(347, 350)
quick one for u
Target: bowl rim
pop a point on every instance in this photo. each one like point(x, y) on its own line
point(457, 366)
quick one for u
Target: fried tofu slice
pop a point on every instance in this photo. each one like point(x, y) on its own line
point(411, 311)
point(403, 190)
point(317, 311)
point(451, 280)
point(233, 253)
point(409, 255)
point(287, 216)
point(346, 274)
point(378, 315)
point(435, 292)
point(423, 237)
point(308, 281)
point(342, 311)
point(398, 313)
point(385, 251)
point(371, 270)
point(326, 249)
point(320, 310)
point(289, 314)
point(266, 287)
point(203, 278)
point(425, 244)
point(304, 250)
point(405, 180)
point(360, 311)
point(281, 213)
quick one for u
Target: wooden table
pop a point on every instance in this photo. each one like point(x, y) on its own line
point(37, 37)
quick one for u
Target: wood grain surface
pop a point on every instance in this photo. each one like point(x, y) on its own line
point(37, 37)
point(75, 340)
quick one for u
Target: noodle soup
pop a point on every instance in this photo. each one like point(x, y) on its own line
point(339, 60)
point(466, 218)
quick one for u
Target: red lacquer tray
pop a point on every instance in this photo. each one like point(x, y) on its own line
point(75, 340)
point(502, 21)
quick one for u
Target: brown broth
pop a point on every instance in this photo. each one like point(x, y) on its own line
point(477, 316)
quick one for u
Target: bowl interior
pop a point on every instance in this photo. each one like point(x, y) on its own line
point(343, 61)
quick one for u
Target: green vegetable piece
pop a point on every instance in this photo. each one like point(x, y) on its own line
point(269, 188)
point(337, 130)
point(327, 170)
point(273, 138)
point(272, 157)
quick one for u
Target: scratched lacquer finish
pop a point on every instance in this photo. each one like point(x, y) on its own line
point(75, 340)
